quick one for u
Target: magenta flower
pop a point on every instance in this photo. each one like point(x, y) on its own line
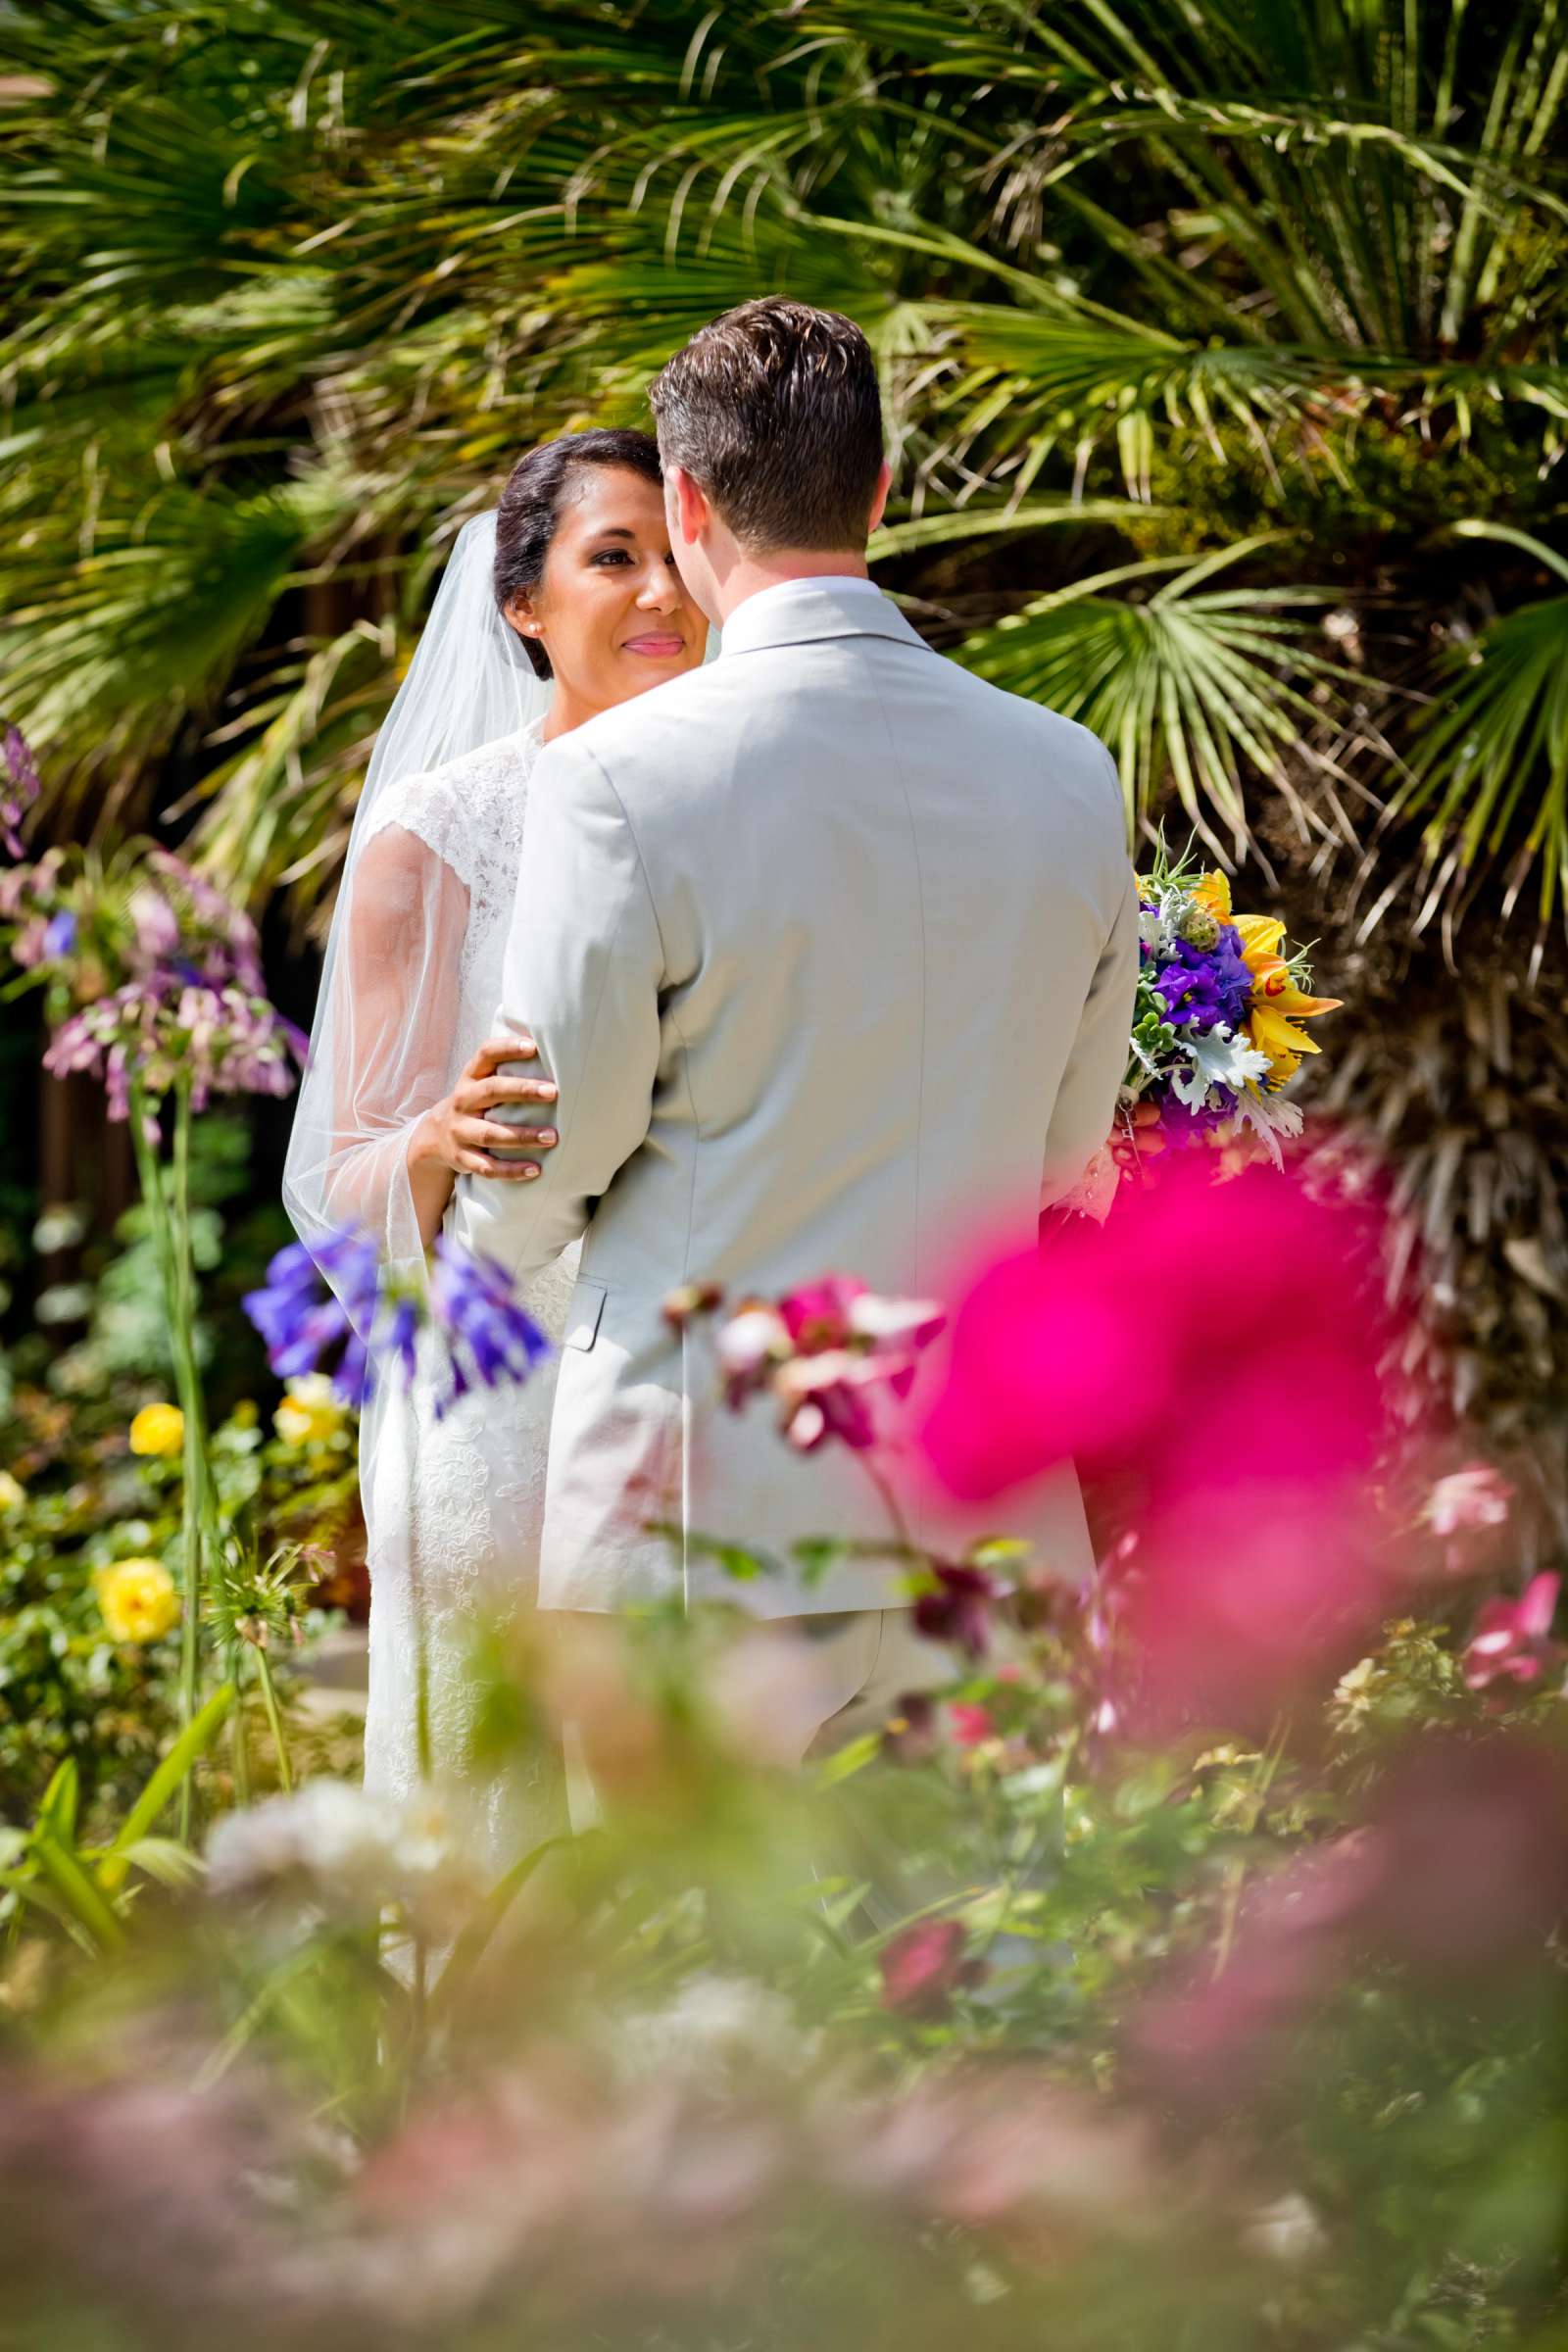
point(829, 1396)
point(817, 1314)
point(971, 1726)
point(924, 1964)
point(1512, 1639)
point(958, 1610)
point(1213, 1353)
point(826, 1352)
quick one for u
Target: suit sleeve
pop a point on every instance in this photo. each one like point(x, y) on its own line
point(583, 970)
point(1086, 1100)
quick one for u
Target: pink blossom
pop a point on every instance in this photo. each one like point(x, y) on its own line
point(748, 1347)
point(825, 1353)
point(923, 1965)
point(1512, 1639)
point(1214, 1352)
point(1467, 1501)
point(817, 1314)
point(971, 1726)
point(829, 1396)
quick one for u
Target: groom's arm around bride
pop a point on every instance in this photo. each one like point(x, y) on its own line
point(831, 950)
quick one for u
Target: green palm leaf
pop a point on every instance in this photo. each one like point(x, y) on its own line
point(1489, 762)
point(1192, 686)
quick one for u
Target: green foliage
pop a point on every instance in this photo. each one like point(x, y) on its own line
point(293, 286)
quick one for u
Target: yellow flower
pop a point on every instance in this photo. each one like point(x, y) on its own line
point(1278, 1004)
point(12, 1491)
point(158, 1429)
point(137, 1601)
point(1213, 892)
point(309, 1411)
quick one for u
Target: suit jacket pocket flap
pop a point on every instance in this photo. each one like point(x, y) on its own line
point(582, 1316)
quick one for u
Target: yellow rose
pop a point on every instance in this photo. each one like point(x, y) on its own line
point(309, 1411)
point(158, 1429)
point(137, 1601)
point(12, 1491)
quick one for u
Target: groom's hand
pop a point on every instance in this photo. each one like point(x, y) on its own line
point(486, 1125)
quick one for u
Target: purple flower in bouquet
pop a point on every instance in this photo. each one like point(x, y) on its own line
point(314, 1299)
point(18, 788)
point(491, 1336)
point(1204, 986)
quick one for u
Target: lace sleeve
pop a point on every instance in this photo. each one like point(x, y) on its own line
point(393, 1027)
point(433, 807)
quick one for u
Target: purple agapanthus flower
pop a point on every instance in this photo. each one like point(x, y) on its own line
point(60, 933)
point(314, 1299)
point(19, 790)
point(490, 1336)
point(1200, 987)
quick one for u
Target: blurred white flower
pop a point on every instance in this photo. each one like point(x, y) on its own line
point(332, 1848)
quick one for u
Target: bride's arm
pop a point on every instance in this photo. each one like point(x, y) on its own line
point(402, 1129)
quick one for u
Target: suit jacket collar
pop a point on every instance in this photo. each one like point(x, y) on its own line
point(803, 612)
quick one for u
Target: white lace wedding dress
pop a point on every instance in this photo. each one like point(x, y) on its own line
point(453, 1503)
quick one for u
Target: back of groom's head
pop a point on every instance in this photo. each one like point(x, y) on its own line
point(773, 411)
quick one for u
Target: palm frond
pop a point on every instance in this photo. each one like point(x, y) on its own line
point(1190, 687)
point(1488, 756)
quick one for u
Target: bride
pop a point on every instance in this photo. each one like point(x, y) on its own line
point(561, 602)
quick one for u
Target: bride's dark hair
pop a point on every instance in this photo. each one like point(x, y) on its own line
point(531, 507)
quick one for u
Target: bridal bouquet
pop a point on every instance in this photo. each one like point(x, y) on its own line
point(1216, 1031)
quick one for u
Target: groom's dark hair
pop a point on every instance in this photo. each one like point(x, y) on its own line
point(774, 411)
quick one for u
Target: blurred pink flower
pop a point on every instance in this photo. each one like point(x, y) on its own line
point(817, 1314)
point(1467, 1501)
point(1215, 1350)
point(1512, 1639)
point(924, 1964)
point(970, 1725)
point(1200, 1327)
point(826, 1352)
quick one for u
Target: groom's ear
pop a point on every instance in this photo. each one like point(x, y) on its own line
point(879, 502)
point(691, 511)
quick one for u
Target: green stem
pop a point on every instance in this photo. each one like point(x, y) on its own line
point(238, 1743)
point(169, 1214)
point(1268, 1763)
point(264, 1675)
point(421, 1673)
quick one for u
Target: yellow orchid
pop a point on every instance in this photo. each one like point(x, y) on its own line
point(1278, 1004)
point(1212, 892)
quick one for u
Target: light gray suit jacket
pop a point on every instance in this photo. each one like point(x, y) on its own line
point(831, 949)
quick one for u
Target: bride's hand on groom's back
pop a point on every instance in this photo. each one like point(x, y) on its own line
point(462, 1131)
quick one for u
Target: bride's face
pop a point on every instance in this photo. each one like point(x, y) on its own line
point(611, 610)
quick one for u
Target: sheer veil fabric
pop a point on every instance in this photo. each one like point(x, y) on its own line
point(453, 1501)
point(386, 1011)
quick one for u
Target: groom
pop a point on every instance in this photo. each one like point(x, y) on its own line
point(830, 948)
